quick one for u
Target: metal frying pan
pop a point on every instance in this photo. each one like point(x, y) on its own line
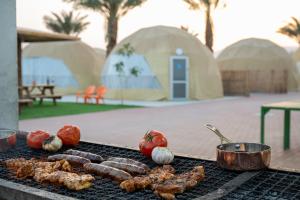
point(241, 156)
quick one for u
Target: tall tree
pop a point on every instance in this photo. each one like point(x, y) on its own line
point(291, 29)
point(206, 5)
point(66, 23)
point(112, 10)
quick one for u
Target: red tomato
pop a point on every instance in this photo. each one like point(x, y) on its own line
point(69, 134)
point(12, 139)
point(151, 140)
point(35, 139)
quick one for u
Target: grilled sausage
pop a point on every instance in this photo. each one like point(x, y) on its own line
point(91, 156)
point(130, 168)
point(103, 170)
point(69, 158)
point(129, 161)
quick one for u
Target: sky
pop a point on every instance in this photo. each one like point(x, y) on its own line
point(239, 19)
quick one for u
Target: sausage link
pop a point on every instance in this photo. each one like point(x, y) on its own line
point(69, 158)
point(103, 170)
point(91, 156)
point(130, 168)
point(129, 161)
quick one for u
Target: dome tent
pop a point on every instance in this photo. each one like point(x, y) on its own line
point(296, 57)
point(70, 65)
point(260, 57)
point(154, 48)
point(101, 56)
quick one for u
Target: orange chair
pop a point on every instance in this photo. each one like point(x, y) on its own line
point(88, 93)
point(100, 92)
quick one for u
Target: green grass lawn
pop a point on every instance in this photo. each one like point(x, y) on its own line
point(47, 109)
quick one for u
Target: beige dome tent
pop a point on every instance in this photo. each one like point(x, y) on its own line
point(101, 56)
point(270, 68)
point(193, 70)
point(296, 57)
point(71, 65)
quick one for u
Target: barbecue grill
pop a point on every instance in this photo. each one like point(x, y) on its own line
point(218, 184)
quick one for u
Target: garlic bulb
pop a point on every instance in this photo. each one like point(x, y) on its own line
point(53, 143)
point(162, 155)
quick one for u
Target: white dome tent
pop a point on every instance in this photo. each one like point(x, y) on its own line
point(44, 70)
point(145, 79)
point(165, 75)
point(71, 65)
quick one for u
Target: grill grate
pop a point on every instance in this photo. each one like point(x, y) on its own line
point(269, 185)
point(106, 189)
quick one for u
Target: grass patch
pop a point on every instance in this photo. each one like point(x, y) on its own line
point(47, 109)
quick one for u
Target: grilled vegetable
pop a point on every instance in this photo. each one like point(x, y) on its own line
point(35, 139)
point(151, 140)
point(162, 155)
point(69, 134)
point(52, 144)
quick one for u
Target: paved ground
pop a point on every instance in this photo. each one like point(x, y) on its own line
point(237, 118)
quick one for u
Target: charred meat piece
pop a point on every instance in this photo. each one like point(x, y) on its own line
point(130, 168)
point(91, 156)
point(16, 163)
point(107, 171)
point(156, 175)
point(54, 172)
point(129, 161)
point(179, 183)
point(164, 182)
point(70, 158)
point(72, 181)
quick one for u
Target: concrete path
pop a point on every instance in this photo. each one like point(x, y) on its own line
point(237, 118)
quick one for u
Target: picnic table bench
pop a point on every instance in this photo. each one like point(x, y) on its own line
point(287, 107)
point(24, 102)
point(42, 92)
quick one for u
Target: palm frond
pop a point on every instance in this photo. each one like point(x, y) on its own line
point(65, 22)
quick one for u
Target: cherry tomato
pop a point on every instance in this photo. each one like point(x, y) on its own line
point(35, 139)
point(151, 140)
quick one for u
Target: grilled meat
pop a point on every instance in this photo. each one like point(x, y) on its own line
point(72, 181)
point(54, 172)
point(129, 161)
point(156, 175)
point(179, 183)
point(107, 171)
point(70, 158)
point(91, 156)
point(164, 182)
point(130, 168)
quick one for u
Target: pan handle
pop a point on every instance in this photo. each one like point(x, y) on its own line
point(218, 133)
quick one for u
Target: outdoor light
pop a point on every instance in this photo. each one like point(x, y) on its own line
point(179, 52)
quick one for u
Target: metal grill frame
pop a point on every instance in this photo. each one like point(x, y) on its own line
point(219, 183)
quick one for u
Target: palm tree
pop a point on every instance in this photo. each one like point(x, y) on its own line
point(207, 5)
point(291, 29)
point(112, 10)
point(66, 23)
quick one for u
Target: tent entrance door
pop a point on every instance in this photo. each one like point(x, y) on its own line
point(179, 77)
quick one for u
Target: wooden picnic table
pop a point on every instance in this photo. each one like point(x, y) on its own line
point(287, 107)
point(42, 92)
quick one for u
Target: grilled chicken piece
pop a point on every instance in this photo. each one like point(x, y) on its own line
point(55, 172)
point(72, 181)
point(179, 183)
point(164, 182)
point(156, 175)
